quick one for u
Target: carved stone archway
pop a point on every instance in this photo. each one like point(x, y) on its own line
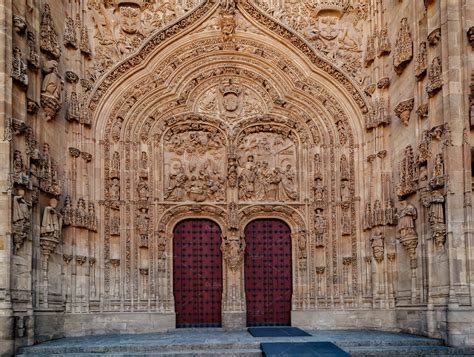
point(229, 128)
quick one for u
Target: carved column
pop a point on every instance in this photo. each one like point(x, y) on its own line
point(234, 305)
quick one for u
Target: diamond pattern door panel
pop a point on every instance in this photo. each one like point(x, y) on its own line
point(268, 276)
point(197, 273)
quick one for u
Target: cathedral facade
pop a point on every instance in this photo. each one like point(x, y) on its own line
point(233, 163)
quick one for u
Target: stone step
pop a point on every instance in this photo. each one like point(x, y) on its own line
point(178, 353)
point(400, 351)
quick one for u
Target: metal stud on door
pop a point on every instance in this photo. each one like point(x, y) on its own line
point(197, 274)
point(268, 275)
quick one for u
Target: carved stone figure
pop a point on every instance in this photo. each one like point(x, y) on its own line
point(233, 248)
point(438, 177)
point(377, 245)
point(68, 212)
point(81, 214)
point(19, 173)
point(115, 189)
point(48, 35)
point(51, 90)
point(142, 188)
point(52, 222)
point(19, 24)
point(403, 52)
point(345, 191)
point(19, 68)
point(407, 233)
point(176, 188)
point(21, 218)
point(247, 179)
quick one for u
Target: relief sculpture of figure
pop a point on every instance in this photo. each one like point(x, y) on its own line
point(247, 179)
point(176, 189)
point(286, 186)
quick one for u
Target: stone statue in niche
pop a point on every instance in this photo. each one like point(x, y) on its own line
point(48, 34)
point(68, 212)
point(115, 189)
point(320, 192)
point(377, 245)
point(143, 190)
point(19, 175)
point(194, 172)
point(51, 90)
point(320, 227)
point(143, 226)
point(345, 191)
point(80, 220)
point(406, 221)
point(21, 218)
point(268, 173)
point(403, 52)
point(19, 68)
point(52, 222)
point(92, 222)
point(438, 177)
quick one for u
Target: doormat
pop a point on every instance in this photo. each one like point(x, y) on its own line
point(277, 332)
point(302, 349)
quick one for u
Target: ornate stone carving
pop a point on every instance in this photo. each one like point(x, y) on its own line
point(320, 193)
point(408, 178)
point(384, 45)
point(378, 114)
point(421, 64)
point(21, 218)
point(19, 68)
point(194, 174)
point(407, 233)
point(84, 42)
point(403, 52)
point(19, 24)
point(403, 110)
point(268, 173)
point(423, 111)
point(233, 249)
point(435, 77)
point(73, 112)
point(33, 56)
point(19, 175)
point(438, 178)
point(51, 90)
point(377, 245)
point(48, 35)
point(370, 50)
point(69, 34)
point(320, 228)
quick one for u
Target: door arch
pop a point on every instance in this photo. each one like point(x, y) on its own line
point(197, 273)
point(268, 273)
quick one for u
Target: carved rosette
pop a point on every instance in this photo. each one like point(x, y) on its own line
point(233, 250)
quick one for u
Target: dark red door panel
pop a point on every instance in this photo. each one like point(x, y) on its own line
point(197, 274)
point(268, 276)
